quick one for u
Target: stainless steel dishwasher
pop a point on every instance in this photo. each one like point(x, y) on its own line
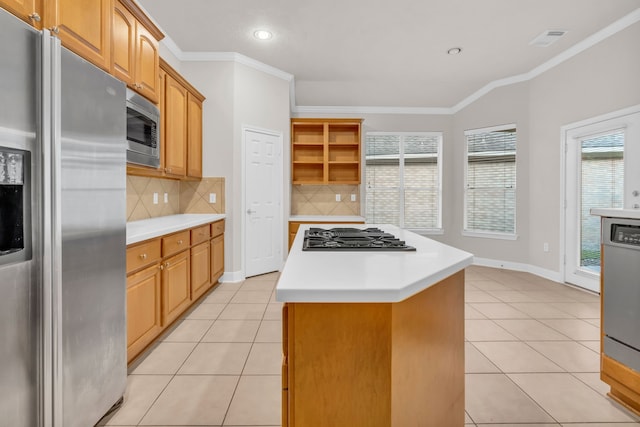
point(621, 283)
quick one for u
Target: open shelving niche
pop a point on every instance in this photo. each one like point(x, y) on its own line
point(325, 151)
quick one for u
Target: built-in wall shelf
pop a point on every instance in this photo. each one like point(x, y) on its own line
point(325, 151)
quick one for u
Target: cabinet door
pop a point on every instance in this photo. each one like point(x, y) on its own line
point(124, 37)
point(147, 81)
point(176, 287)
point(83, 27)
point(200, 269)
point(144, 321)
point(29, 11)
point(175, 127)
point(217, 258)
point(194, 152)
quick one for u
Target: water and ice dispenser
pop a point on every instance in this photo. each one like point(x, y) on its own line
point(14, 206)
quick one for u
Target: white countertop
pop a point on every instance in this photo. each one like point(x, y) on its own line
point(138, 231)
point(365, 276)
point(617, 213)
point(326, 218)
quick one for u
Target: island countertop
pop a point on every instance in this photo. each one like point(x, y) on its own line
point(367, 276)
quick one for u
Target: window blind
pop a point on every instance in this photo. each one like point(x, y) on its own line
point(602, 183)
point(403, 179)
point(490, 194)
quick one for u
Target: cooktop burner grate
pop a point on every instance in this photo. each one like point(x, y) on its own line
point(352, 239)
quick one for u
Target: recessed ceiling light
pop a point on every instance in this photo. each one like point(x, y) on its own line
point(454, 50)
point(262, 34)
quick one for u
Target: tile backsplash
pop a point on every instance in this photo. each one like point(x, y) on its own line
point(181, 197)
point(321, 200)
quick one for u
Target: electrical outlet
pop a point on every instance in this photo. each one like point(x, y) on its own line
point(545, 247)
point(353, 197)
point(166, 197)
point(212, 197)
point(338, 198)
point(155, 198)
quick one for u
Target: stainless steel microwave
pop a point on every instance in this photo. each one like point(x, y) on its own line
point(143, 131)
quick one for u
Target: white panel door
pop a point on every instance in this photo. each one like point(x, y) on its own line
point(263, 212)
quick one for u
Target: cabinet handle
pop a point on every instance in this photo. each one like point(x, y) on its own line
point(161, 267)
point(143, 256)
point(179, 242)
point(166, 264)
point(34, 17)
point(55, 30)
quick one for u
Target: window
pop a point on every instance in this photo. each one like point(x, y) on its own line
point(403, 177)
point(602, 181)
point(490, 175)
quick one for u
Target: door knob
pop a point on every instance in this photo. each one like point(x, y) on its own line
point(249, 211)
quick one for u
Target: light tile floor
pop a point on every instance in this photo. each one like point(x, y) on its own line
point(531, 359)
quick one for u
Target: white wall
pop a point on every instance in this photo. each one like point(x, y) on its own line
point(261, 101)
point(602, 79)
point(503, 105)
point(236, 95)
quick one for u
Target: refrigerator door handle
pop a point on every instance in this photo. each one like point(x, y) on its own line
point(51, 226)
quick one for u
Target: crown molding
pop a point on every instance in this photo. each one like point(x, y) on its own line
point(320, 109)
point(574, 50)
point(608, 31)
point(224, 56)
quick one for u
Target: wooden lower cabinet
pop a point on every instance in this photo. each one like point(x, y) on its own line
point(144, 321)
point(200, 269)
point(176, 286)
point(165, 276)
point(217, 258)
point(376, 364)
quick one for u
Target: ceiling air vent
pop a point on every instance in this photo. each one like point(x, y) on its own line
point(548, 37)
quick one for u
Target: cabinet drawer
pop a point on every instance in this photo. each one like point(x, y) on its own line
point(141, 255)
point(175, 243)
point(199, 234)
point(217, 228)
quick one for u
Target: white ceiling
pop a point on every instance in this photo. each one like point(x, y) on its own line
point(381, 53)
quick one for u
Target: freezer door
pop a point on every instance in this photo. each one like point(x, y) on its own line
point(89, 198)
point(20, 343)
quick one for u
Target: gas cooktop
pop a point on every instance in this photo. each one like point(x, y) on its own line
point(352, 239)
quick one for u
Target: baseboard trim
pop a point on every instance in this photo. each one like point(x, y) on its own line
point(554, 276)
point(232, 277)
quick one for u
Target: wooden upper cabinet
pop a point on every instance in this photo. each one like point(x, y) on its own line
point(136, 59)
point(83, 27)
point(194, 136)
point(29, 11)
point(175, 127)
point(147, 80)
point(124, 38)
point(181, 127)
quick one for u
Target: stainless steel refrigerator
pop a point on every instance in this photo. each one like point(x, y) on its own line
point(62, 233)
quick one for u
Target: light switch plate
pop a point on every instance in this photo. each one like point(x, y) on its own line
point(166, 197)
point(353, 197)
point(212, 197)
point(338, 198)
point(155, 198)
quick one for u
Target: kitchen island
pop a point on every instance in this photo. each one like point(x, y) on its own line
point(373, 338)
